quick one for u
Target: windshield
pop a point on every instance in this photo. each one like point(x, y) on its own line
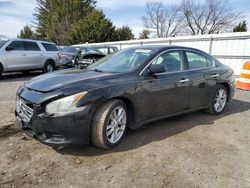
point(69, 49)
point(123, 61)
point(2, 42)
point(91, 50)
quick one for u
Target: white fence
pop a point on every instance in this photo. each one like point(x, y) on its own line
point(232, 49)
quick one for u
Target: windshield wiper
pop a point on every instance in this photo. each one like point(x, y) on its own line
point(97, 70)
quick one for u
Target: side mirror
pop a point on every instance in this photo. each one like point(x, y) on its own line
point(9, 48)
point(157, 68)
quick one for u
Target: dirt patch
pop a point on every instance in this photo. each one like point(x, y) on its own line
point(8, 130)
point(192, 150)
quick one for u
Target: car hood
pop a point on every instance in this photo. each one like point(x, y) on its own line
point(68, 78)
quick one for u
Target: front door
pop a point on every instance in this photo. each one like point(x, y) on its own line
point(16, 58)
point(168, 92)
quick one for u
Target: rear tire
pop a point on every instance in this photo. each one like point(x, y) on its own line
point(219, 100)
point(49, 66)
point(1, 70)
point(109, 124)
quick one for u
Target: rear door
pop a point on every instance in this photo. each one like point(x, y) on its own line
point(199, 73)
point(33, 55)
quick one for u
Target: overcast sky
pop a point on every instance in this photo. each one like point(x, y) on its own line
point(14, 14)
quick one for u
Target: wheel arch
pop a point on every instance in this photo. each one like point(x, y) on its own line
point(50, 60)
point(227, 86)
point(1, 68)
point(130, 108)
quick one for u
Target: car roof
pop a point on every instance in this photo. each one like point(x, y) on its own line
point(105, 46)
point(30, 40)
point(95, 46)
point(166, 47)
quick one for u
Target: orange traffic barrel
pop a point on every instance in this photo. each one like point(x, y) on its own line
point(244, 81)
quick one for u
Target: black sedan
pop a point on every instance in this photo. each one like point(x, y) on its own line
point(123, 90)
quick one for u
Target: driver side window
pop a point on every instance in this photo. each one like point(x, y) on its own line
point(17, 45)
point(170, 60)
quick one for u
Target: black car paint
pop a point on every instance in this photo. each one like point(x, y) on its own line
point(148, 97)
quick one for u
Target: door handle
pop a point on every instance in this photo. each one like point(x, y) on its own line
point(24, 55)
point(184, 80)
point(215, 75)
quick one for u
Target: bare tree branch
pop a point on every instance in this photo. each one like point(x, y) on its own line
point(213, 16)
point(164, 21)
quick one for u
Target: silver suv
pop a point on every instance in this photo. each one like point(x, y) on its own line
point(25, 55)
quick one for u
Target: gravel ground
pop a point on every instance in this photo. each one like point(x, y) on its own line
point(192, 150)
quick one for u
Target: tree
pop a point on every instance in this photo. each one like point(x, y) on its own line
point(95, 27)
point(26, 33)
point(57, 19)
point(241, 27)
point(164, 21)
point(124, 33)
point(73, 21)
point(144, 34)
point(213, 16)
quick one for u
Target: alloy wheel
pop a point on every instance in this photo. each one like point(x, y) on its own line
point(220, 100)
point(116, 124)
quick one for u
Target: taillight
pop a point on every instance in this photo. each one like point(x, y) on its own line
point(59, 55)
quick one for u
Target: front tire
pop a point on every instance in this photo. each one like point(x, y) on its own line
point(109, 124)
point(25, 73)
point(218, 101)
point(75, 64)
point(93, 60)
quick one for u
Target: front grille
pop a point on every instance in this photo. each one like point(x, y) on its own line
point(24, 110)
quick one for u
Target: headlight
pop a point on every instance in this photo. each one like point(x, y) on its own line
point(19, 89)
point(65, 105)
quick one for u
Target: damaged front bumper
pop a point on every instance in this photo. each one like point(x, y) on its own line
point(58, 130)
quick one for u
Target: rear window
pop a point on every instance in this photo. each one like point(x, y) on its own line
point(49, 47)
point(31, 46)
point(196, 61)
